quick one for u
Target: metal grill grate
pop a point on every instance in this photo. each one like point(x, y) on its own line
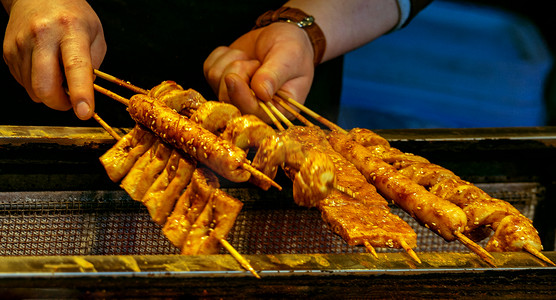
point(110, 223)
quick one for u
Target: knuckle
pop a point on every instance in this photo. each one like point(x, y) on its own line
point(213, 75)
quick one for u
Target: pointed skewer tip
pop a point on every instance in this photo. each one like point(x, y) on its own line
point(480, 251)
point(538, 254)
point(242, 261)
point(371, 249)
point(410, 251)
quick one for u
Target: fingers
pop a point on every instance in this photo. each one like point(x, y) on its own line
point(242, 96)
point(216, 64)
point(78, 70)
point(287, 65)
point(46, 78)
point(51, 51)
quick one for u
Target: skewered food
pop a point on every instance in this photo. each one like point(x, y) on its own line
point(119, 159)
point(184, 134)
point(363, 218)
point(145, 170)
point(161, 197)
point(398, 175)
point(313, 173)
point(246, 131)
point(435, 213)
point(202, 216)
point(214, 116)
point(512, 230)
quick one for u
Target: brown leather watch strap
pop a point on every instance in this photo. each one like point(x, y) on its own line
point(302, 20)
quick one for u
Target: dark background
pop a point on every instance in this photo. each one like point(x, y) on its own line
point(151, 41)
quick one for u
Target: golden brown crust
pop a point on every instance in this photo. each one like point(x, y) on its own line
point(435, 213)
point(513, 233)
point(161, 197)
point(365, 218)
point(119, 159)
point(214, 116)
point(145, 171)
point(184, 134)
point(247, 131)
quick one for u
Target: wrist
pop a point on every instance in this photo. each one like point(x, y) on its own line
point(302, 20)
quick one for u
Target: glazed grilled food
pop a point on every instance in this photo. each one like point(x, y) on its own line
point(164, 170)
point(477, 213)
point(195, 220)
point(184, 134)
point(362, 219)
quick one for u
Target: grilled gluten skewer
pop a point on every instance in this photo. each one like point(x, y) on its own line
point(512, 230)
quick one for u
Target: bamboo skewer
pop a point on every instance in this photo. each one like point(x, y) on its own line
point(311, 113)
point(538, 254)
point(107, 127)
point(271, 116)
point(292, 111)
point(242, 261)
point(111, 94)
point(120, 82)
point(260, 175)
point(410, 251)
point(280, 115)
point(482, 253)
point(370, 248)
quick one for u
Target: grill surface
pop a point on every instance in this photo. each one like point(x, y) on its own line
point(111, 223)
point(63, 224)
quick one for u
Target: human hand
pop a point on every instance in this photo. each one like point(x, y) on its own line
point(52, 43)
point(258, 64)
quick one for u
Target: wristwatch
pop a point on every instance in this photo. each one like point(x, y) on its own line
point(303, 21)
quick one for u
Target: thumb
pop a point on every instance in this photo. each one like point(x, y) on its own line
point(282, 70)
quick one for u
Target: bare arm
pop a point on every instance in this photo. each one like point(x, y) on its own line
point(350, 24)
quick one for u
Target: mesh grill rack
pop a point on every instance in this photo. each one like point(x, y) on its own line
point(111, 223)
point(55, 197)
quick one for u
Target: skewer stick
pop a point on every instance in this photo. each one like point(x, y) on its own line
point(410, 251)
point(107, 127)
point(111, 95)
point(538, 254)
point(120, 82)
point(371, 249)
point(280, 115)
point(311, 113)
point(482, 253)
point(260, 175)
point(292, 111)
point(242, 261)
point(271, 116)
point(342, 189)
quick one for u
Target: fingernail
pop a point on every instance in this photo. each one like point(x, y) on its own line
point(230, 84)
point(267, 86)
point(82, 109)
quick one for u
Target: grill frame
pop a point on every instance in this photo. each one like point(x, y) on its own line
point(35, 160)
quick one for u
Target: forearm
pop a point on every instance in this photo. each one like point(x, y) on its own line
point(350, 24)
